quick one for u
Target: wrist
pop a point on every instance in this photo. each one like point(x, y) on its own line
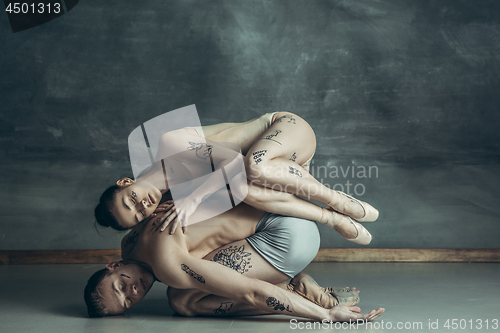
point(197, 199)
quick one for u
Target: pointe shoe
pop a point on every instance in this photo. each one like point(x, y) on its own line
point(363, 236)
point(371, 214)
point(305, 286)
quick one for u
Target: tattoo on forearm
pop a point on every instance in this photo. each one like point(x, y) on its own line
point(271, 136)
point(294, 171)
point(202, 150)
point(223, 308)
point(235, 258)
point(291, 120)
point(257, 156)
point(132, 239)
point(293, 158)
point(272, 302)
point(195, 275)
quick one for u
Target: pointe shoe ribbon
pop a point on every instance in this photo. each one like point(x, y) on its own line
point(363, 237)
point(370, 213)
point(305, 286)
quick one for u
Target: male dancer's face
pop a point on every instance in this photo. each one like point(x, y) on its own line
point(124, 286)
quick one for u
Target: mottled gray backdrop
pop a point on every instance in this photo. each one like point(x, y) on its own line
point(409, 88)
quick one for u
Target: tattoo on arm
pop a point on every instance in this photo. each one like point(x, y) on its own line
point(223, 308)
point(132, 239)
point(195, 275)
point(272, 302)
point(202, 150)
point(235, 258)
point(271, 136)
point(257, 156)
point(293, 158)
point(294, 171)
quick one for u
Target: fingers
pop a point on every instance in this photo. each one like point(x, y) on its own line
point(167, 219)
point(174, 226)
point(164, 206)
point(373, 314)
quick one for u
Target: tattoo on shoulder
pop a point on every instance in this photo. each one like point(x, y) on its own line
point(272, 302)
point(202, 150)
point(294, 171)
point(131, 239)
point(155, 226)
point(235, 258)
point(257, 156)
point(195, 275)
point(291, 120)
point(223, 308)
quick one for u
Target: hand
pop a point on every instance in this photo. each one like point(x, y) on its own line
point(164, 206)
point(168, 213)
point(185, 207)
point(342, 313)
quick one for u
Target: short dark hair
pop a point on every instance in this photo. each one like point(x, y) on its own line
point(95, 307)
point(102, 212)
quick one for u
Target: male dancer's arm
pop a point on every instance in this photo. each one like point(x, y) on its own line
point(182, 271)
point(174, 266)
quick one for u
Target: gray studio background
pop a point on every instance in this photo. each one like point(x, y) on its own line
point(408, 87)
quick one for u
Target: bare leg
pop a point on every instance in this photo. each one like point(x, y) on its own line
point(275, 161)
point(284, 203)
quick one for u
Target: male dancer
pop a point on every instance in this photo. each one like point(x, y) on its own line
point(247, 257)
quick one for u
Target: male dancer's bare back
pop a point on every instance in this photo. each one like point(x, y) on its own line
point(176, 260)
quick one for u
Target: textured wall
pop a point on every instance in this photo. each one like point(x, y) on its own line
point(409, 88)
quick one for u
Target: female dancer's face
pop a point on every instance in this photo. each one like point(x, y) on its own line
point(135, 202)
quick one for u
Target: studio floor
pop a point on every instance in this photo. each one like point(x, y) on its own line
point(419, 297)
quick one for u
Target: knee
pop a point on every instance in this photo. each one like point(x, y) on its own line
point(253, 170)
point(179, 302)
point(257, 170)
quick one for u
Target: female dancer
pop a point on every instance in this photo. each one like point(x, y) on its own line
point(277, 147)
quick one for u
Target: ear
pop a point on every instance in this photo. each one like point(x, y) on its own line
point(124, 181)
point(113, 265)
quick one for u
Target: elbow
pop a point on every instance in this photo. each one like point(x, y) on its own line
point(179, 301)
point(250, 295)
